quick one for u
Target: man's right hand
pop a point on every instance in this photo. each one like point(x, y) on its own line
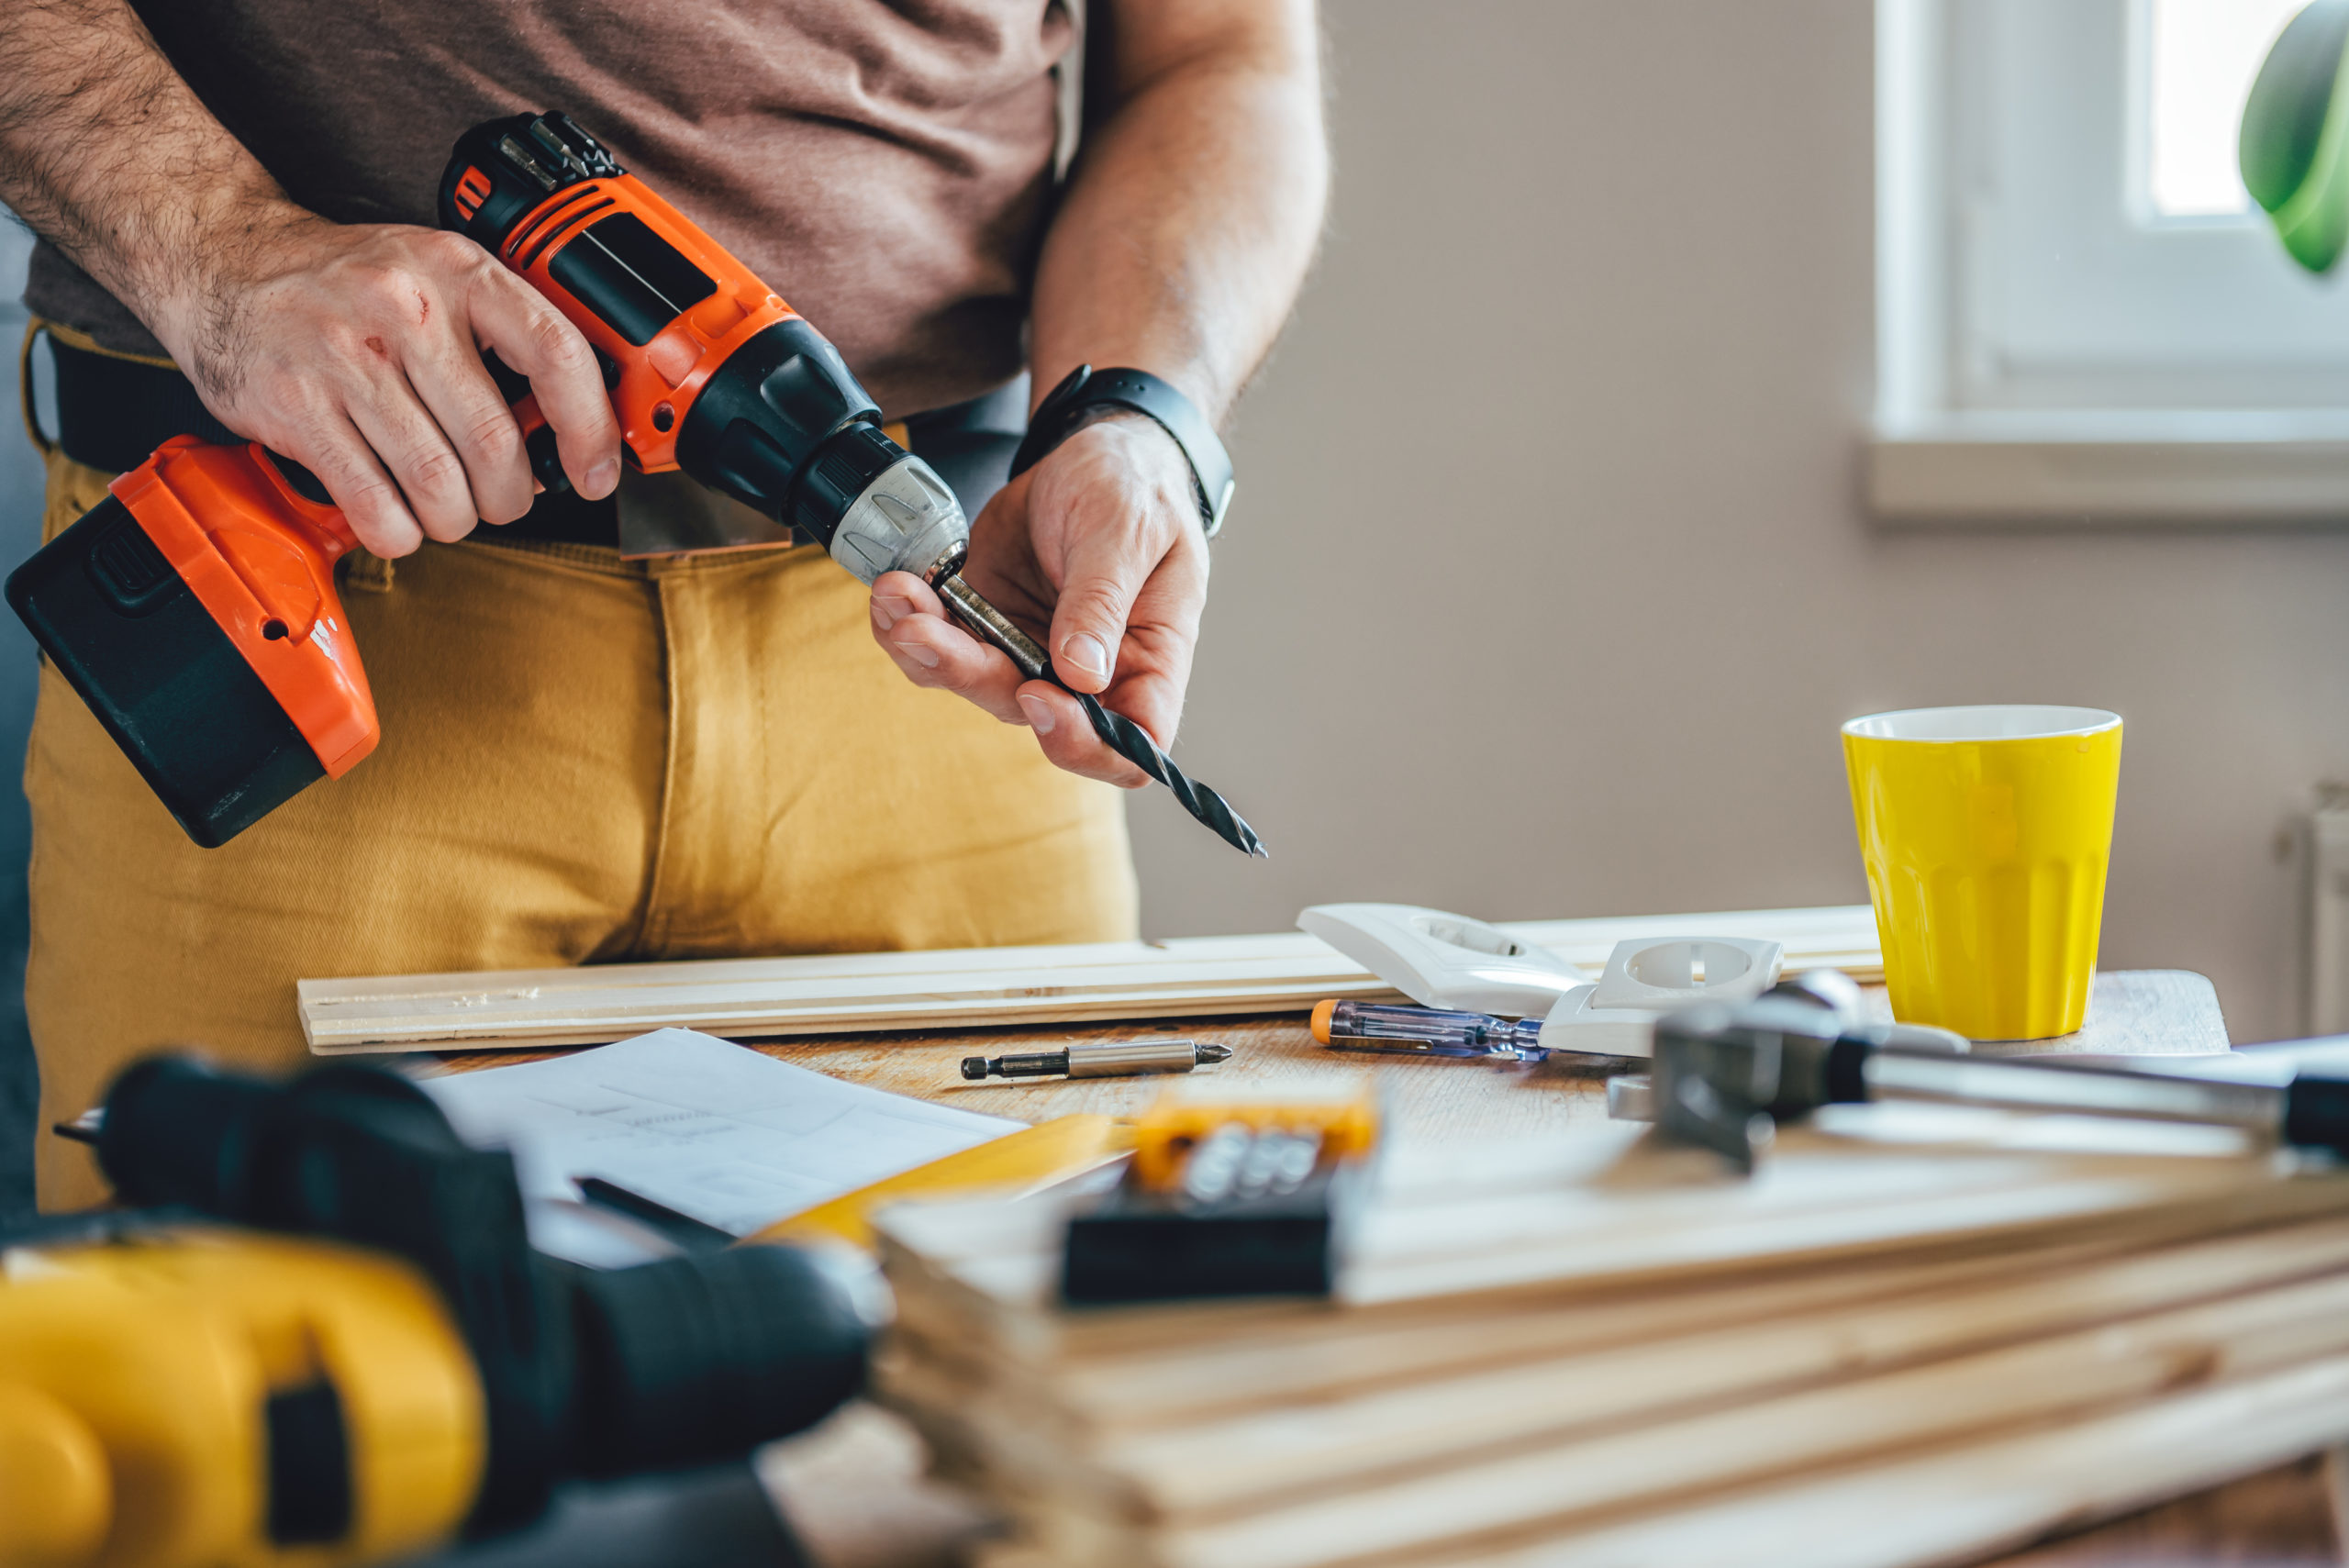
point(355, 350)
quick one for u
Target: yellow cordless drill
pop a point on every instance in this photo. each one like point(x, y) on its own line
point(371, 1361)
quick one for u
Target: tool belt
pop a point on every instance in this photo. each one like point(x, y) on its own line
point(113, 411)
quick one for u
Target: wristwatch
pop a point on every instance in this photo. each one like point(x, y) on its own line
point(1082, 390)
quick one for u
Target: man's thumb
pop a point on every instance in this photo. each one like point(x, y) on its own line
point(1089, 622)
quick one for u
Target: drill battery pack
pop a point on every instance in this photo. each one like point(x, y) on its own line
point(1228, 1198)
point(216, 656)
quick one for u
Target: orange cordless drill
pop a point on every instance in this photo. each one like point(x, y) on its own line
point(194, 610)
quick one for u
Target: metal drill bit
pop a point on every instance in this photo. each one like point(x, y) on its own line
point(1118, 732)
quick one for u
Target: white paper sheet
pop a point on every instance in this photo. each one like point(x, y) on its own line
point(710, 1128)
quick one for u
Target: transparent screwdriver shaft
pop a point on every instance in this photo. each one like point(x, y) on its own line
point(1427, 1032)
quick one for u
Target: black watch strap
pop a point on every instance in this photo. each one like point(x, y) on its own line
point(1085, 389)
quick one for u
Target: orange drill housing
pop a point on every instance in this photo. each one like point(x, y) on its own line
point(653, 382)
point(710, 371)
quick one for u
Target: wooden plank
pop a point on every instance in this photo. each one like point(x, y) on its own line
point(1388, 1423)
point(1247, 1362)
point(1179, 1388)
point(2282, 1516)
point(1223, 1462)
point(1960, 1504)
point(1144, 1367)
point(1546, 1486)
point(1955, 1505)
point(1812, 1201)
point(1198, 976)
point(1211, 1477)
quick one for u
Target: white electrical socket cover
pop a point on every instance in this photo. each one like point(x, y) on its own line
point(1647, 977)
point(1439, 960)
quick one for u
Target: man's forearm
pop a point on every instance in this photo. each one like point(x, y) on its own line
point(106, 152)
point(1186, 232)
point(353, 349)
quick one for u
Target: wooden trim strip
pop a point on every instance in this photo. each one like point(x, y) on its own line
point(850, 992)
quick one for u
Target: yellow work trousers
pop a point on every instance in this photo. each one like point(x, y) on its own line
point(582, 760)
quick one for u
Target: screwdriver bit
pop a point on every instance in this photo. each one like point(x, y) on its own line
point(1118, 1060)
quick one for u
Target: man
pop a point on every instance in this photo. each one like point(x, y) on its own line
point(587, 758)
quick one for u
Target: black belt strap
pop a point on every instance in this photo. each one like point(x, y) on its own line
point(112, 412)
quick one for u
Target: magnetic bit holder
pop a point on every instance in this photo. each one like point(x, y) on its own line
point(1117, 1059)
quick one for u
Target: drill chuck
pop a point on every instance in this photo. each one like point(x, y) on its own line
point(906, 520)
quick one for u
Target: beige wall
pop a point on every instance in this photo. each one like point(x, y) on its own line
point(1548, 584)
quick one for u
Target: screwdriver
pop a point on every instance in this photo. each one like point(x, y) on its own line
point(1427, 1032)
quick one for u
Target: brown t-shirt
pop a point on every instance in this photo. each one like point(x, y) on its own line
point(885, 167)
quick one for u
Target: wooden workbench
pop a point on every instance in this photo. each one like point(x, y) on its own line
point(853, 1488)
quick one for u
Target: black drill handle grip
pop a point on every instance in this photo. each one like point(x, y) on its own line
point(2316, 1113)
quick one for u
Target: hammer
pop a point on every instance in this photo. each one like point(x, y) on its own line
point(1724, 1077)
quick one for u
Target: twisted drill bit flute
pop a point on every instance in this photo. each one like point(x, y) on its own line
point(1118, 732)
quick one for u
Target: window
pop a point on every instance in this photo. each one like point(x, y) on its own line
point(2194, 68)
point(2080, 314)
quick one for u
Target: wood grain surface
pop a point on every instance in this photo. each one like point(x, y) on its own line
point(852, 1487)
point(2136, 1012)
point(857, 1497)
point(2281, 1518)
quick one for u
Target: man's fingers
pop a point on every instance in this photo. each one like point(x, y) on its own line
point(421, 462)
point(1065, 732)
point(903, 594)
point(371, 503)
point(532, 337)
point(458, 393)
point(1106, 569)
point(932, 651)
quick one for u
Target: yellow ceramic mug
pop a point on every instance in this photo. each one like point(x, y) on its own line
point(1986, 831)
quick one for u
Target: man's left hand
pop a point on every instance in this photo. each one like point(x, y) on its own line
point(1100, 542)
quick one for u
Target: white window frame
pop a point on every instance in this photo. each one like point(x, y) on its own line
point(2047, 355)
